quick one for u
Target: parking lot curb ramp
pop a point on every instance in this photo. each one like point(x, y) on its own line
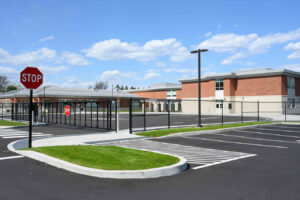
point(116, 174)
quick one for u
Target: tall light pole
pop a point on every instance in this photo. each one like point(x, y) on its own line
point(199, 83)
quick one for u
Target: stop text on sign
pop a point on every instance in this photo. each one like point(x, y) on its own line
point(35, 78)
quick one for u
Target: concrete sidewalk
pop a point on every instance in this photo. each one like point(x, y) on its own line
point(84, 139)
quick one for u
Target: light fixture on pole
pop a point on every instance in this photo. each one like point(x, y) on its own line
point(199, 83)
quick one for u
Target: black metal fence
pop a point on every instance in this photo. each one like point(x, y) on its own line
point(95, 114)
point(158, 114)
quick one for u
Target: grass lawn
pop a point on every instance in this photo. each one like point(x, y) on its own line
point(164, 132)
point(9, 123)
point(108, 157)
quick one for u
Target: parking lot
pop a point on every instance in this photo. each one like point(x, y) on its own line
point(258, 163)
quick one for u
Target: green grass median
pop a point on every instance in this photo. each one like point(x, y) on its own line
point(108, 157)
point(10, 123)
point(164, 132)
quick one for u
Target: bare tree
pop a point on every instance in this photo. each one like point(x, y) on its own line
point(3, 83)
point(101, 85)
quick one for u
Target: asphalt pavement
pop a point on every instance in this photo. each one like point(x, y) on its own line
point(273, 173)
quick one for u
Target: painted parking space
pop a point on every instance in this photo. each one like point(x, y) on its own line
point(199, 157)
point(14, 134)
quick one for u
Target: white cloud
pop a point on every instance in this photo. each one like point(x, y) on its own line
point(114, 49)
point(262, 44)
point(181, 70)
point(74, 82)
point(8, 70)
point(50, 37)
point(151, 75)
point(232, 58)
point(240, 46)
point(294, 47)
point(28, 58)
point(73, 59)
point(115, 75)
point(227, 42)
point(294, 67)
point(207, 34)
point(52, 69)
point(160, 64)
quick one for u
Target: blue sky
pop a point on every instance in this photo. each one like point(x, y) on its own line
point(76, 43)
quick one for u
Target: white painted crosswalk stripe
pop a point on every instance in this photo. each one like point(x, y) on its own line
point(10, 157)
point(268, 129)
point(10, 134)
point(194, 155)
point(271, 134)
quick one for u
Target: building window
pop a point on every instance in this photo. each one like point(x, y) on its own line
point(291, 103)
point(219, 84)
point(290, 82)
point(171, 94)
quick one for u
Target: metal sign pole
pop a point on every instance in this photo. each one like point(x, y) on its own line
point(30, 120)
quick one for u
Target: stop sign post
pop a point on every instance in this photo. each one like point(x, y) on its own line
point(31, 78)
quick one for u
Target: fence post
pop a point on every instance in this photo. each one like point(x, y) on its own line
point(12, 111)
point(17, 111)
point(222, 112)
point(116, 116)
point(61, 104)
point(130, 116)
point(85, 113)
point(91, 114)
point(285, 111)
point(56, 110)
point(2, 109)
point(80, 113)
point(97, 115)
point(144, 114)
point(242, 118)
point(110, 110)
point(168, 113)
point(48, 106)
point(107, 114)
point(258, 111)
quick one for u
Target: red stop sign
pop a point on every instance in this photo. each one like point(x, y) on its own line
point(31, 77)
point(67, 110)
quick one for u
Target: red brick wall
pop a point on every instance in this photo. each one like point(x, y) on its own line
point(230, 86)
point(190, 90)
point(178, 94)
point(152, 94)
point(273, 85)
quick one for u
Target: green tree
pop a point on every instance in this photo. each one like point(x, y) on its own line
point(3, 83)
point(11, 87)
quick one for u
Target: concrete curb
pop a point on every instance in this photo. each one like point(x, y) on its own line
point(212, 131)
point(116, 174)
point(291, 123)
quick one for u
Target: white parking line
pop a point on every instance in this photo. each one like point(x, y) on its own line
point(271, 134)
point(252, 138)
point(242, 143)
point(11, 157)
point(281, 126)
point(267, 129)
point(224, 161)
